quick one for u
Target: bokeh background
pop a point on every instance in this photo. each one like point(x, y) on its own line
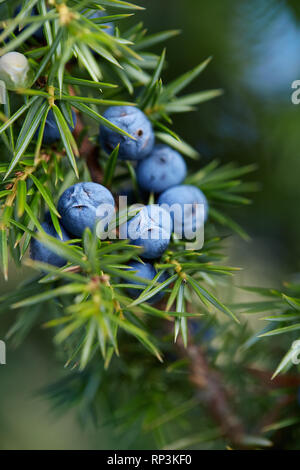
point(255, 47)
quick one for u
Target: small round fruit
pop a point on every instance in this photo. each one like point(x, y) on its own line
point(161, 170)
point(145, 271)
point(40, 252)
point(109, 27)
point(83, 205)
point(186, 214)
point(39, 33)
point(151, 229)
point(134, 122)
point(51, 131)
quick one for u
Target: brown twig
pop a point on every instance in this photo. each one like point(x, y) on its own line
point(215, 396)
point(212, 392)
point(264, 377)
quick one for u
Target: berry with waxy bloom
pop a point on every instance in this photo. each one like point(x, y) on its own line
point(161, 170)
point(133, 121)
point(80, 206)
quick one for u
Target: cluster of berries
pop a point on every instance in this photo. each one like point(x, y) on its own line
point(78, 209)
point(159, 170)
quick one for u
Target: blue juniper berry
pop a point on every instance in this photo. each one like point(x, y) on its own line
point(39, 33)
point(133, 121)
point(83, 205)
point(151, 229)
point(146, 271)
point(109, 27)
point(161, 170)
point(200, 329)
point(40, 252)
point(187, 200)
point(51, 131)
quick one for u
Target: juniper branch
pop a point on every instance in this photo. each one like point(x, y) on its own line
point(210, 388)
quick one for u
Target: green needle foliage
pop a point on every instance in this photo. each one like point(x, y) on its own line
point(114, 346)
point(282, 314)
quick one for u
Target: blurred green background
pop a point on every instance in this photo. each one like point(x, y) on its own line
point(255, 47)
